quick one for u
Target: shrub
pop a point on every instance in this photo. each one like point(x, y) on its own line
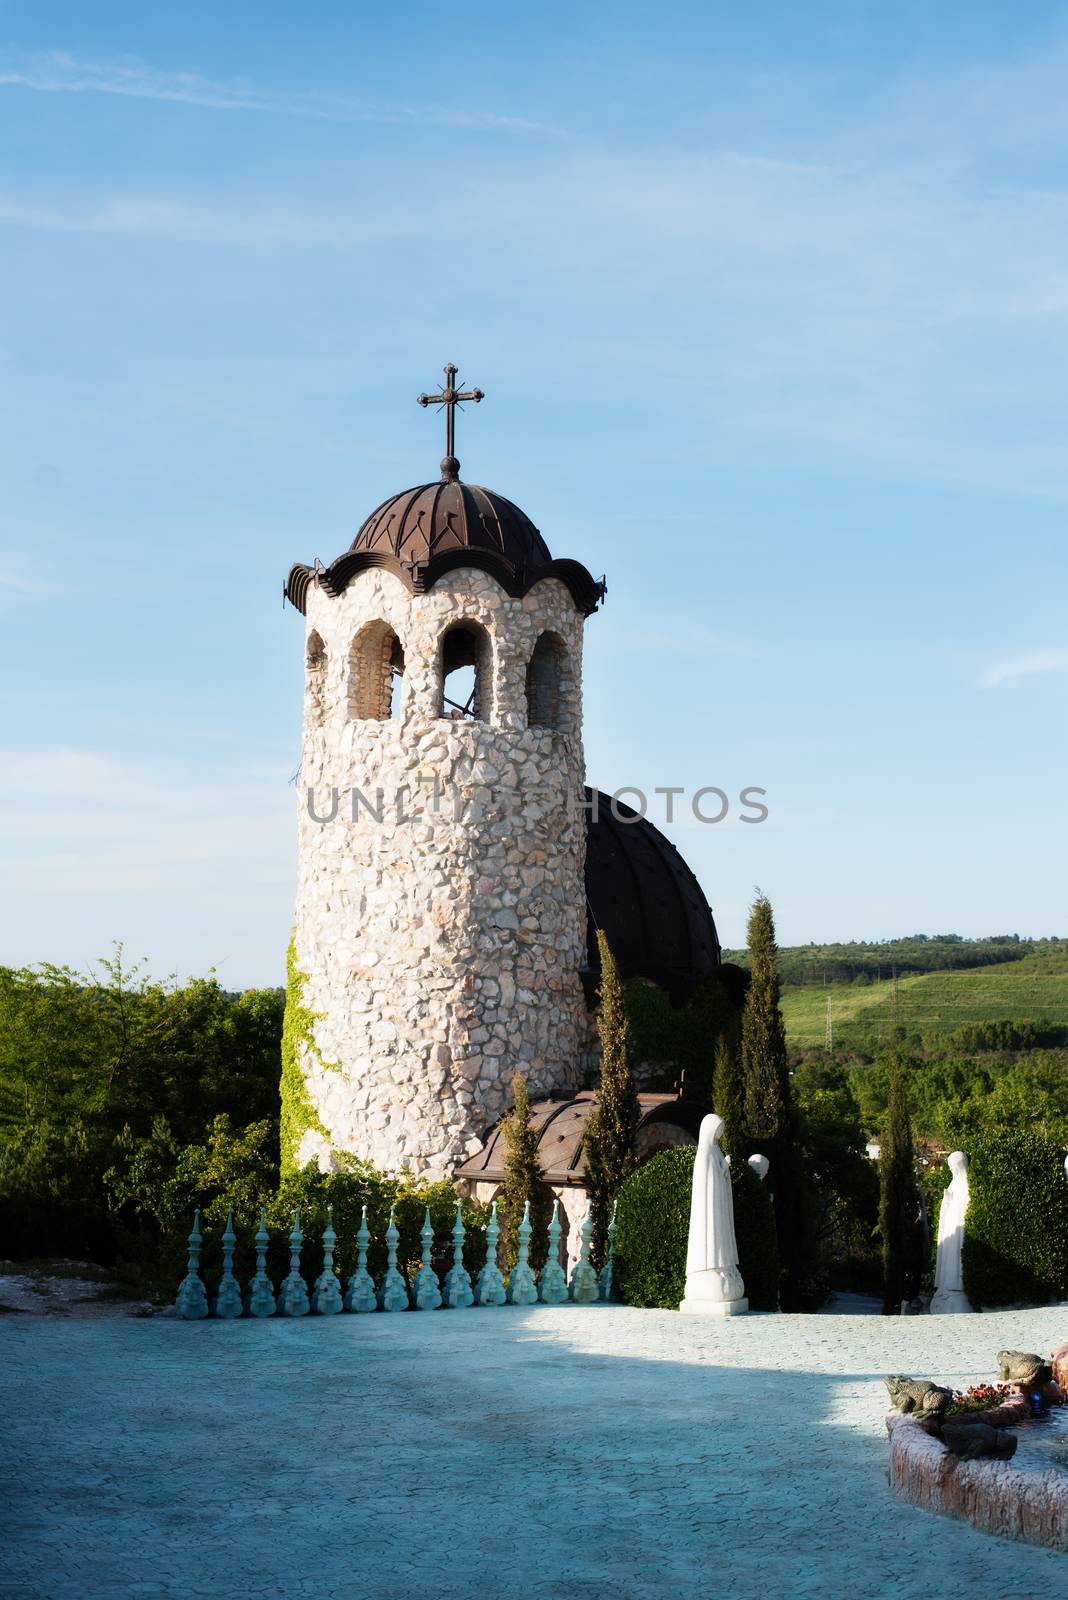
point(523, 1183)
point(1016, 1230)
point(653, 1221)
point(156, 1184)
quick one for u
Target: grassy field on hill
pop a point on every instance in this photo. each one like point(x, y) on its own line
point(1033, 990)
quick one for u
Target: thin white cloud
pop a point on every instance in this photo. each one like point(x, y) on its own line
point(154, 216)
point(60, 73)
point(75, 822)
point(16, 583)
point(198, 870)
point(1028, 664)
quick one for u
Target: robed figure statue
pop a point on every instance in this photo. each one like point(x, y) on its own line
point(714, 1284)
point(949, 1295)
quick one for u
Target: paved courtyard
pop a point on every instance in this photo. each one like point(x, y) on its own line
point(572, 1452)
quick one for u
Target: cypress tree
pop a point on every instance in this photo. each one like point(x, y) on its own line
point(900, 1212)
point(769, 1122)
point(700, 1024)
point(611, 1127)
point(728, 1091)
point(523, 1182)
point(765, 1072)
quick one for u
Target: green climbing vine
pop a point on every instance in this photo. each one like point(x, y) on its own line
point(298, 1114)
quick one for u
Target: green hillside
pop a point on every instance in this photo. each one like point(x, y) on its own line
point(826, 964)
point(1032, 990)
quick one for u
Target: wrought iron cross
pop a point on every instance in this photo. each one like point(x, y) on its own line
point(450, 397)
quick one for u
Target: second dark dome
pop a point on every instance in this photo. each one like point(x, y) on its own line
point(643, 896)
point(436, 518)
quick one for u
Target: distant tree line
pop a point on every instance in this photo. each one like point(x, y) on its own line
point(825, 964)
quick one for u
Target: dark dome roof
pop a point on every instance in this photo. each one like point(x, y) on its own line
point(421, 523)
point(650, 906)
point(426, 532)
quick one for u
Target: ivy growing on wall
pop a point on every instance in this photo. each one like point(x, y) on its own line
point(298, 1114)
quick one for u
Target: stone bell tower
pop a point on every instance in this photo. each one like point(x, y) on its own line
point(441, 917)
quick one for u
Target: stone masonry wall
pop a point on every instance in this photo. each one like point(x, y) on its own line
point(441, 944)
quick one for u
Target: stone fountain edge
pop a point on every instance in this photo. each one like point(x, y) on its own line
point(993, 1496)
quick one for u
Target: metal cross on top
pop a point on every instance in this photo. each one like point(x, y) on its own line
point(450, 397)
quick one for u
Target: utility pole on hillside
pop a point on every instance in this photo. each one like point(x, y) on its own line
point(830, 1025)
point(893, 997)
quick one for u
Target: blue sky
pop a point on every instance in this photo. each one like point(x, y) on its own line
point(770, 305)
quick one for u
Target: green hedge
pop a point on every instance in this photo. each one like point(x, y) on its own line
point(653, 1220)
point(1016, 1231)
point(934, 1181)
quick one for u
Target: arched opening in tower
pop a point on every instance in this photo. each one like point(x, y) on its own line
point(546, 675)
point(376, 674)
point(465, 672)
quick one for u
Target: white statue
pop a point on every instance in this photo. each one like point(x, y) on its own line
point(714, 1286)
point(949, 1293)
point(760, 1165)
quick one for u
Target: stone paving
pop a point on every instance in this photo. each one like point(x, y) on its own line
point(567, 1452)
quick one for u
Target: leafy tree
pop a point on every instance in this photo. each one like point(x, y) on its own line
point(612, 1125)
point(900, 1213)
point(156, 1184)
point(94, 1065)
point(523, 1182)
point(843, 1180)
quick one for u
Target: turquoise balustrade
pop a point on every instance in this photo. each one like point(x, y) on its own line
point(192, 1301)
point(326, 1291)
point(522, 1285)
point(489, 1285)
point(360, 1289)
point(426, 1290)
point(228, 1302)
point(293, 1291)
point(606, 1270)
point(458, 1291)
point(584, 1288)
point(260, 1301)
point(552, 1284)
point(392, 1291)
